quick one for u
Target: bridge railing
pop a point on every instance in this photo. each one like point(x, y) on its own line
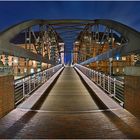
point(26, 85)
point(114, 87)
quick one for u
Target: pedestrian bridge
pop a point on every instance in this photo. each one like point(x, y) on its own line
point(69, 108)
point(85, 98)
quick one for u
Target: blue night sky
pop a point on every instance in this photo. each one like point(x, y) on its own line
point(126, 12)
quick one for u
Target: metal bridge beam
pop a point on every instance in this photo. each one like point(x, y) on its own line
point(11, 49)
point(132, 36)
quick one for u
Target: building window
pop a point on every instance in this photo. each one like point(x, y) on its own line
point(123, 58)
point(117, 70)
point(18, 70)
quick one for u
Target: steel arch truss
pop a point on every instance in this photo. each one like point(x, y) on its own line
point(41, 42)
point(120, 39)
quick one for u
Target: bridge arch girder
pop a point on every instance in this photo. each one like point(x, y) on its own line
point(6, 47)
point(132, 35)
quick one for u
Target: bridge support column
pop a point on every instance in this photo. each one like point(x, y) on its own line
point(6, 94)
point(132, 90)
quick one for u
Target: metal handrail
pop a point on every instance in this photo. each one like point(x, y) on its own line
point(112, 86)
point(26, 85)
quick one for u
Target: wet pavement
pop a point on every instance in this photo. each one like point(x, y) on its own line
point(68, 111)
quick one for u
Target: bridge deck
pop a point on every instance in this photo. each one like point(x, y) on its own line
point(69, 94)
point(68, 111)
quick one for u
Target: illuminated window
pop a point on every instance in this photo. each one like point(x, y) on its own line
point(117, 57)
point(16, 60)
point(123, 58)
point(32, 70)
point(25, 70)
point(117, 70)
point(38, 69)
point(34, 63)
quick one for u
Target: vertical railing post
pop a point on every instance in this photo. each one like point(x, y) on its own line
point(23, 86)
point(29, 84)
point(100, 80)
point(97, 76)
point(43, 76)
point(94, 78)
point(108, 79)
point(34, 80)
point(104, 81)
point(92, 75)
point(89, 74)
point(40, 77)
point(114, 80)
